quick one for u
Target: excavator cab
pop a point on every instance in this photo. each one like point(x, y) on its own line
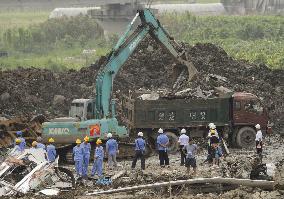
point(82, 109)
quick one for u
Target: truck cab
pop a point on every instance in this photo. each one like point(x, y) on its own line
point(247, 112)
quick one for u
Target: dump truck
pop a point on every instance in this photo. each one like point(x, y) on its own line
point(234, 114)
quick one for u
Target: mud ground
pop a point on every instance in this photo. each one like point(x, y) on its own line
point(28, 92)
point(237, 165)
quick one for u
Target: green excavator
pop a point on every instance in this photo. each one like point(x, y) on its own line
point(96, 117)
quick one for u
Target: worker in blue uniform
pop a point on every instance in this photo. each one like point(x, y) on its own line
point(22, 145)
point(51, 151)
point(78, 157)
point(40, 145)
point(17, 149)
point(98, 159)
point(86, 146)
point(140, 146)
point(163, 142)
point(111, 150)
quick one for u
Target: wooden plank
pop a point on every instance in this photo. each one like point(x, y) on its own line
point(263, 184)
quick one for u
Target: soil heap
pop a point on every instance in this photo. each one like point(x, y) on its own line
point(34, 91)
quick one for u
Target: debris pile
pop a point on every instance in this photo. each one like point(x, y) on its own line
point(22, 173)
point(26, 91)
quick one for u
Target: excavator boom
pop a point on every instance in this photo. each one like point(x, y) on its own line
point(123, 50)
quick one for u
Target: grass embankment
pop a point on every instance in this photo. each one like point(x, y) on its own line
point(255, 38)
point(33, 40)
point(17, 19)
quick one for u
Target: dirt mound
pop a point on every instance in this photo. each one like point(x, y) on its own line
point(34, 90)
point(26, 91)
point(241, 76)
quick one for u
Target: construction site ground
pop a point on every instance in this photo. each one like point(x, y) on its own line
point(236, 165)
point(27, 92)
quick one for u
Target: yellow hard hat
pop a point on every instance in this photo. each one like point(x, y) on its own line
point(18, 140)
point(34, 143)
point(78, 141)
point(86, 139)
point(50, 140)
point(99, 141)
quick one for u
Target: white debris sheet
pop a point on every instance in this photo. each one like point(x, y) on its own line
point(30, 170)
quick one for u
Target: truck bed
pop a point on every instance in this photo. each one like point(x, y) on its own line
point(173, 113)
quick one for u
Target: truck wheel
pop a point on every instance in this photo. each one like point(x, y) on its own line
point(245, 137)
point(173, 139)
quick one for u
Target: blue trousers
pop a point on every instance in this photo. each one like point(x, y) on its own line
point(86, 161)
point(98, 167)
point(78, 167)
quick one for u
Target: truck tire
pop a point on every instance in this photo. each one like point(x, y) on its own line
point(245, 137)
point(173, 139)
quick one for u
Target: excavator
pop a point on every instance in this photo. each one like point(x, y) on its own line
point(97, 117)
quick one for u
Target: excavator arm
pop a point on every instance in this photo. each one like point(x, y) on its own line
point(125, 47)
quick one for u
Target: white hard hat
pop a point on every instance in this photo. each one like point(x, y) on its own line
point(210, 125)
point(160, 130)
point(183, 131)
point(140, 134)
point(213, 126)
point(109, 135)
point(257, 126)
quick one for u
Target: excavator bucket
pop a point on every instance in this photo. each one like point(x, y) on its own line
point(182, 72)
point(192, 71)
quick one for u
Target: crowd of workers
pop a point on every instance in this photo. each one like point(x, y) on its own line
point(82, 151)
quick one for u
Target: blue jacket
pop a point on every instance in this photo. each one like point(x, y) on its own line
point(140, 144)
point(22, 145)
point(16, 151)
point(78, 153)
point(99, 153)
point(111, 146)
point(86, 149)
point(40, 146)
point(162, 139)
point(51, 152)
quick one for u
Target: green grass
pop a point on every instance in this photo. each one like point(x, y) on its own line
point(55, 60)
point(259, 39)
point(16, 19)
